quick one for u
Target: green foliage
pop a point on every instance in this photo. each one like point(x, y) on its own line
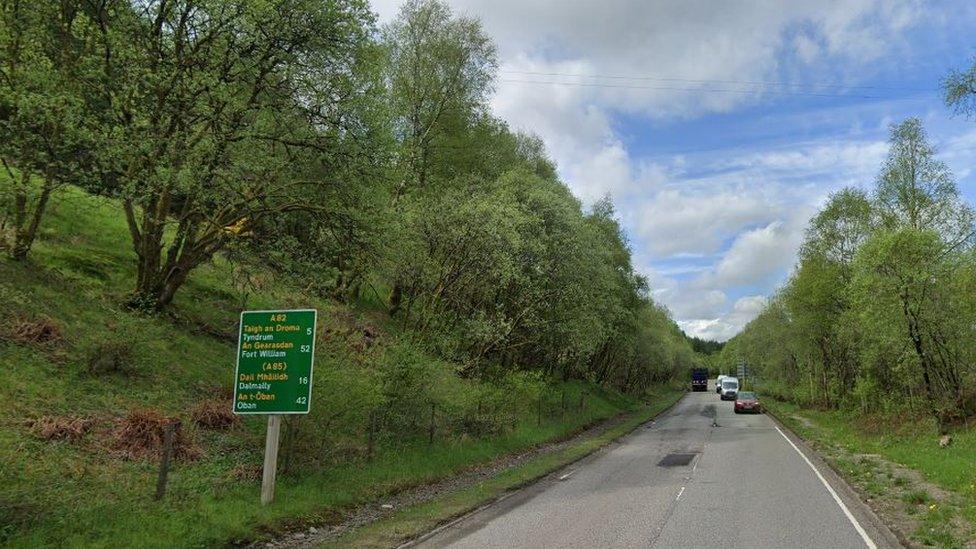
point(706, 346)
point(959, 90)
point(293, 133)
point(879, 312)
point(48, 135)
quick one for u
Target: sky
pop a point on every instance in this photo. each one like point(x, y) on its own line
point(720, 127)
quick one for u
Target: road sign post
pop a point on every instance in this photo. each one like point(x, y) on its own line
point(270, 472)
point(275, 354)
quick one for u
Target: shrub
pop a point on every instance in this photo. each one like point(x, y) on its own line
point(140, 435)
point(39, 331)
point(214, 414)
point(60, 428)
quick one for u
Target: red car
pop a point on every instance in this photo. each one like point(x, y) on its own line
point(747, 401)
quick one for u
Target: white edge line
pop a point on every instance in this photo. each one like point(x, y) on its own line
point(679, 493)
point(847, 512)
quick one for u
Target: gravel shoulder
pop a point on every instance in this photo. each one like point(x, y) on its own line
point(350, 520)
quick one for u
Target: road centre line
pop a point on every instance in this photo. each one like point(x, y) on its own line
point(847, 512)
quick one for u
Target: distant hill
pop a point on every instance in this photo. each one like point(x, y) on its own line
point(706, 346)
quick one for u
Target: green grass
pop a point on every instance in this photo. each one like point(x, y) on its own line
point(913, 445)
point(81, 494)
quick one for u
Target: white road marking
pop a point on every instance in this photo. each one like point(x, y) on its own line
point(567, 475)
point(847, 512)
point(679, 493)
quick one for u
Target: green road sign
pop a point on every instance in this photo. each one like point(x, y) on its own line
point(275, 352)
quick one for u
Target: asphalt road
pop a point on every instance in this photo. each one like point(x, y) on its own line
point(744, 485)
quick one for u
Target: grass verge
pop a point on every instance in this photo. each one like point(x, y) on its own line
point(927, 494)
point(414, 521)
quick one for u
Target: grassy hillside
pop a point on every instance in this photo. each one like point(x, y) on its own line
point(87, 385)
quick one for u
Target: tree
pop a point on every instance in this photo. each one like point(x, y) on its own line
point(47, 128)
point(906, 281)
point(880, 303)
point(440, 72)
point(816, 296)
point(223, 113)
point(959, 91)
point(917, 191)
point(839, 229)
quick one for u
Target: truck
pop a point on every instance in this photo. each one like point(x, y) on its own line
point(699, 379)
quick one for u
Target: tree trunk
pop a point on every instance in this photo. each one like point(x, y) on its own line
point(25, 230)
point(914, 333)
point(396, 298)
point(160, 275)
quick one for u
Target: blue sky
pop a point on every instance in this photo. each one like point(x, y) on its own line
point(719, 127)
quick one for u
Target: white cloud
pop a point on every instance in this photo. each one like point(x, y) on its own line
point(681, 220)
point(807, 48)
point(725, 326)
point(682, 42)
point(758, 254)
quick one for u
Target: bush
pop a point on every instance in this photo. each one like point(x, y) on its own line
point(35, 331)
point(60, 428)
point(214, 414)
point(140, 435)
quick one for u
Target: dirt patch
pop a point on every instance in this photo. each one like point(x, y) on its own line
point(805, 422)
point(60, 428)
point(214, 414)
point(357, 517)
point(906, 500)
point(40, 331)
point(140, 435)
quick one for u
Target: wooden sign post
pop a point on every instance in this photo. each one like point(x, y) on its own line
point(270, 459)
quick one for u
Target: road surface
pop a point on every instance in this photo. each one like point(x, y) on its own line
point(700, 476)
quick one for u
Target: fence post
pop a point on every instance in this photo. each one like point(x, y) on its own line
point(513, 414)
point(539, 423)
point(562, 404)
point(370, 437)
point(169, 433)
point(430, 431)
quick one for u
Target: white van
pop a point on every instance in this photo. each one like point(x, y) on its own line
point(718, 383)
point(730, 388)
